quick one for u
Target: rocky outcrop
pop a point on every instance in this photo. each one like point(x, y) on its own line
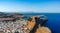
point(37, 27)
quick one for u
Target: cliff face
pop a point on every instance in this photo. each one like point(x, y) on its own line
point(36, 27)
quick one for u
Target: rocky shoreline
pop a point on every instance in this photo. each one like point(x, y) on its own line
point(33, 24)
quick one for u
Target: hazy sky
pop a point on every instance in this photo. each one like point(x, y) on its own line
point(29, 5)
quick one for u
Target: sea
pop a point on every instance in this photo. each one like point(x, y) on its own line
point(53, 22)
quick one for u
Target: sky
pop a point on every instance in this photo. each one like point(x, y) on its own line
point(49, 6)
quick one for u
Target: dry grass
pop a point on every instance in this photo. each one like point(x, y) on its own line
point(43, 30)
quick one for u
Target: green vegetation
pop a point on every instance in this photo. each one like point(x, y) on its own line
point(17, 18)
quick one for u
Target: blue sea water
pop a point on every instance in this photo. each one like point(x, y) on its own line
point(53, 21)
